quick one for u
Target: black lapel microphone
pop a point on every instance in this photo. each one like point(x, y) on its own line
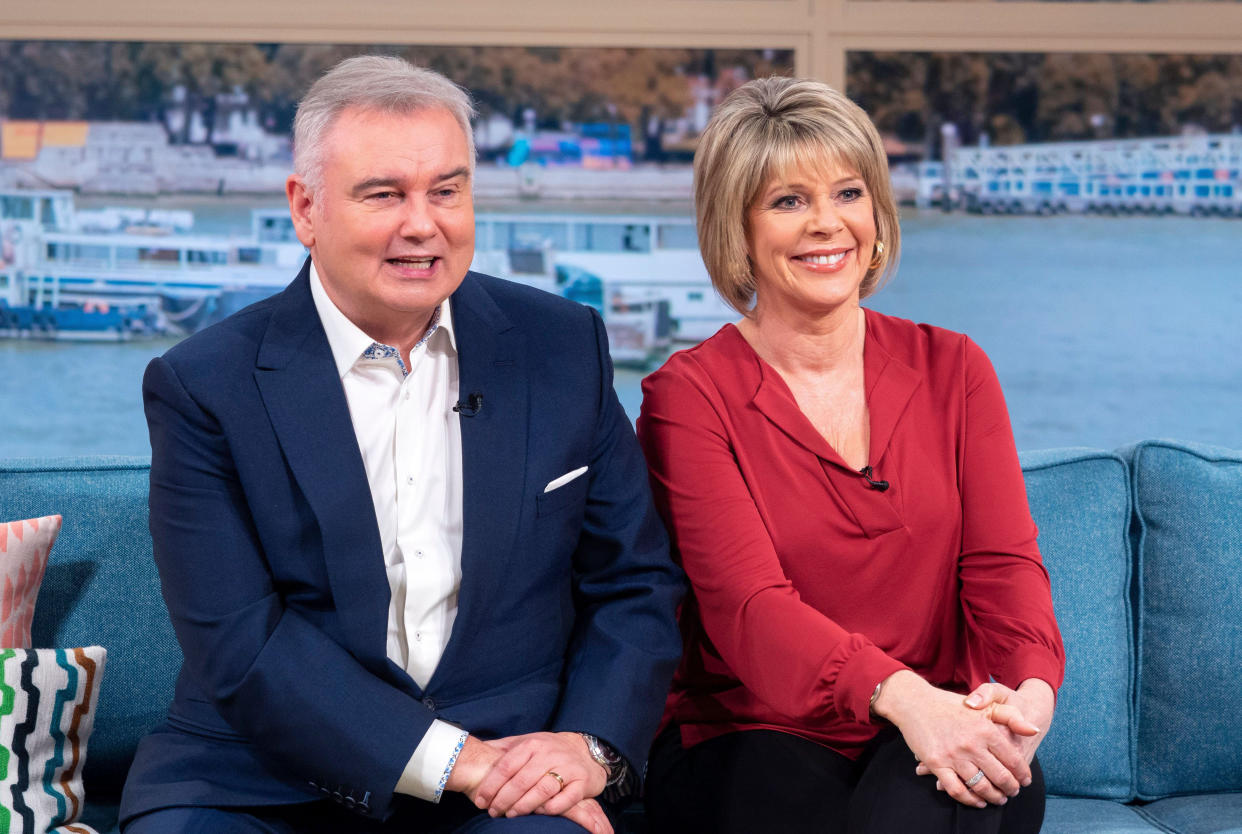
point(878, 486)
point(474, 404)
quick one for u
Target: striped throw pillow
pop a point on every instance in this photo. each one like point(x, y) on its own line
point(24, 548)
point(47, 711)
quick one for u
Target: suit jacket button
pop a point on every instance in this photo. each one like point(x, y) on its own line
point(429, 703)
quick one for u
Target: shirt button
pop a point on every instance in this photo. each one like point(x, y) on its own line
point(407, 395)
point(410, 480)
point(418, 553)
point(418, 635)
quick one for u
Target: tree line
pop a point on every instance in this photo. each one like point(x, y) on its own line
point(1010, 97)
point(1034, 97)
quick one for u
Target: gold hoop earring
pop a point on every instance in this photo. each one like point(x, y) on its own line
point(878, 259)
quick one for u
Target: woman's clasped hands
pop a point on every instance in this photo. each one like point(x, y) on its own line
point(978, 747)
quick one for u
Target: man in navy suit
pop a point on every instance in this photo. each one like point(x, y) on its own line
point(402, 523)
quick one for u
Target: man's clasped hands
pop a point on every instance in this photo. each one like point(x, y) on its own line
point(539, 773)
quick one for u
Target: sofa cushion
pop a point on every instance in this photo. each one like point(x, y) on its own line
point(1188, 502)
point(1080, 500)
point(1075, 815)
point(101, 588)
point(1213, 813)
point(47, 710)
point(102, 816)
point(24, 548)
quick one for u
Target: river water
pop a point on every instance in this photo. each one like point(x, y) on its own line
point(1103, 331)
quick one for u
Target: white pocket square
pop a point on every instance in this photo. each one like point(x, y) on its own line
point(557, 483)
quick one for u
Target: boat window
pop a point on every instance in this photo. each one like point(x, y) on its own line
point(534, 235)
point(88, 253)
point(276, 229)
point(527, 261)
point(79, 253)
point(614, 237)
point(134, 255)
point(192, 256)
point(17, 208)
point(678, 236)
point(47, 213)
point(163, 256)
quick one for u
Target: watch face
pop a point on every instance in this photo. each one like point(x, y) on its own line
point(604, 755)
point(608, 754)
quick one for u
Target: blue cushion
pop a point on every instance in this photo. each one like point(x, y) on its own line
point(101, 588)
point(1214, 813)
point(1080, 499)
point(102, 816)
point(1188, 501)
point(1093, 816)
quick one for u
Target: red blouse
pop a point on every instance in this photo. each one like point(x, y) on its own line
point(810, 587)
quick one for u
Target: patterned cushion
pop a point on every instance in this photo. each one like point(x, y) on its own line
point(24, 548)
point(47, 711)
point(101, 588)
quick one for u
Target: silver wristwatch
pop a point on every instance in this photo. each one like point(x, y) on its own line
point(607, 758)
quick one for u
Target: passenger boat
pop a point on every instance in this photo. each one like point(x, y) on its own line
point(1190, 175)
point(60, 281)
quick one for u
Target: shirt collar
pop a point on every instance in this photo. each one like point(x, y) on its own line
point(348, 342)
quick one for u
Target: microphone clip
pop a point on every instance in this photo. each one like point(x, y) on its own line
point(867, 472)
point(472, 406)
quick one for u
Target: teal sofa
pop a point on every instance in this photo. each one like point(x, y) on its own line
point(1144, 546)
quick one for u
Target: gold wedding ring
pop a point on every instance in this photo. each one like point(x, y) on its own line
point(558, 779)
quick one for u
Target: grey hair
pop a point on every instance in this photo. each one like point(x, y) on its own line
point(764, 129)
point(379, 83)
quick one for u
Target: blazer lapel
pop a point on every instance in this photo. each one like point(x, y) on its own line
point(302, 391)
point(491, 354)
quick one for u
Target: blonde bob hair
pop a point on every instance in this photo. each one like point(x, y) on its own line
point(764, 129)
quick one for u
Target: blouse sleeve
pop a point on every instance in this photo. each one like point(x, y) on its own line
point(1005, 592)
point(791, 656)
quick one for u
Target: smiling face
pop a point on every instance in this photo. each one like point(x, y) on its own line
point(391, 226)
point(810, 236)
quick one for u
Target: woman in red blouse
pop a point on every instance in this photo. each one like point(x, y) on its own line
point(843, 491)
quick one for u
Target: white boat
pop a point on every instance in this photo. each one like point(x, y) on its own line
point(638, 258)
point(1193, 175)
point(639, 331)
point(58, 281)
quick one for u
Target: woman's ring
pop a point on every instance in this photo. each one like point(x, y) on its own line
point(974, 780)
point(561, 781)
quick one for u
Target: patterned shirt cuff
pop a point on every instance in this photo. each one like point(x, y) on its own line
point(428, 770)
point(448, 768)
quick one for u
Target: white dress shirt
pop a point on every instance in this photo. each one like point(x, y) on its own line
point(410, 440)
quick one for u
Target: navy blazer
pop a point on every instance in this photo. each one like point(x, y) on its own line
point(269, 556)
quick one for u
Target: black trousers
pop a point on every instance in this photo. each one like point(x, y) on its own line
point(762, 780)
